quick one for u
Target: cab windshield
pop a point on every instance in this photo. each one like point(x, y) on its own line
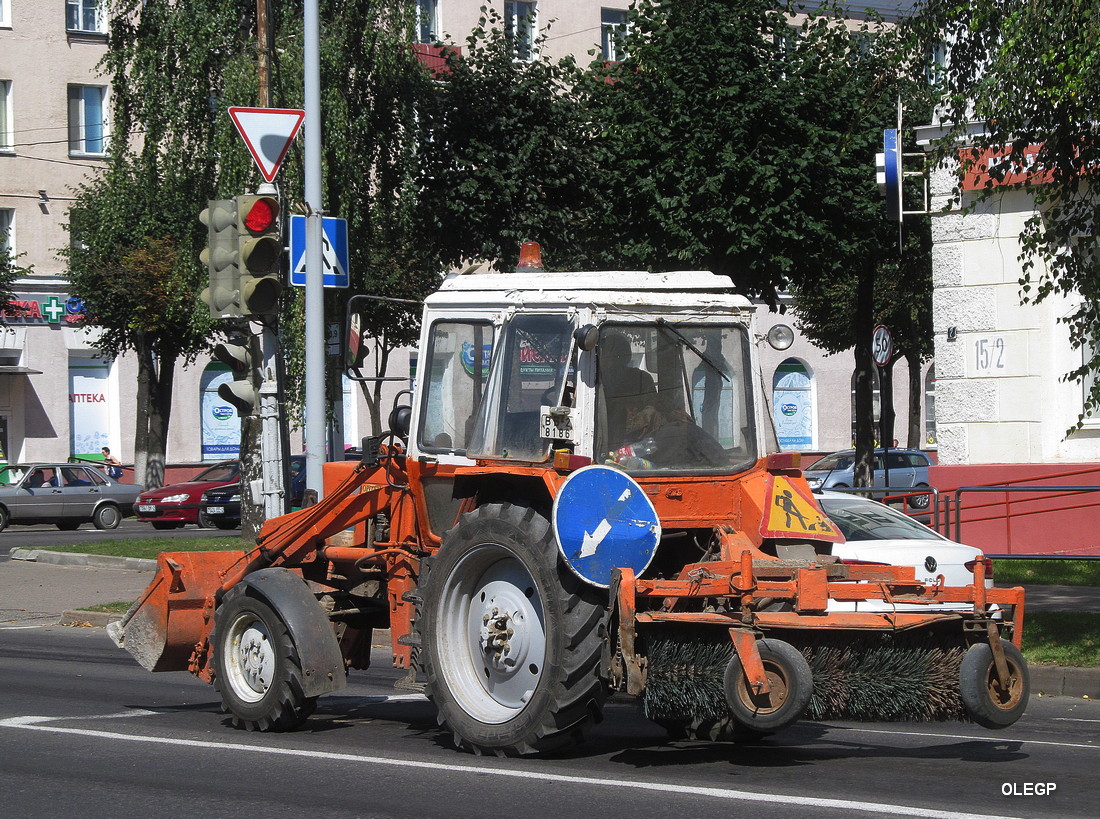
point(674, 397)
point(531, 373)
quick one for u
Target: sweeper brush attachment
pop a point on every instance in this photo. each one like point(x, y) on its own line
point(873, 677)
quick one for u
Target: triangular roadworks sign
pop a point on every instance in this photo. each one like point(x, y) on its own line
point(268, 133)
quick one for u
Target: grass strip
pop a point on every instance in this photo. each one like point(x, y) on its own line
point(150, 547)
point(1025, 571)
point(1062, 638)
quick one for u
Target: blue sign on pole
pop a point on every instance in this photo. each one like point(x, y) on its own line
point(892, 151)
point(334, 251)
point(602, 520)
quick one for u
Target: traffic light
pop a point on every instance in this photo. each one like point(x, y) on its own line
point(260, 244)
point(220, 257)
point(241, 392)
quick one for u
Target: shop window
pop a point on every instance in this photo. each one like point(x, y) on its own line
point(221, 426)
point(930, 406)
point(90, 405)
point(793, 405)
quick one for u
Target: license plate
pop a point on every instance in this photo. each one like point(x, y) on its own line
point(556, 423)
point(215, 510)
point(146, 507)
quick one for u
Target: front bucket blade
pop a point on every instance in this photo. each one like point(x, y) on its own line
point(162, 628)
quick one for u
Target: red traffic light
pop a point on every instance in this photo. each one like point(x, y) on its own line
point(262, 214)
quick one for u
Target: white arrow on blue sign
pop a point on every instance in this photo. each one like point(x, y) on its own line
point(602, 520)
point(334, 251)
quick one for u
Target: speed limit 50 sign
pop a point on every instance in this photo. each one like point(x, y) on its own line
point(882, 345)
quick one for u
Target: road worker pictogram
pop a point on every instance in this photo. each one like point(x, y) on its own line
point(791, 512)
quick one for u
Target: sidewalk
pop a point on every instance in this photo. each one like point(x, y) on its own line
point(43, 588)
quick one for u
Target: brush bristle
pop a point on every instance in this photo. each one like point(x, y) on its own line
point(876, 677)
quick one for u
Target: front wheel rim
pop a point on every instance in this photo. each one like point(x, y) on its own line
point(491, 634)
point(250, 658)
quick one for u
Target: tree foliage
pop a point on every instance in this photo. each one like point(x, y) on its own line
point(1027, 75)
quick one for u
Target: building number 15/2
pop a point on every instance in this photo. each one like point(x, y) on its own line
point(989, 354)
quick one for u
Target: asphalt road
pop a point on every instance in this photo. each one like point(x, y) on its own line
point(45, 536)
point(85, 731)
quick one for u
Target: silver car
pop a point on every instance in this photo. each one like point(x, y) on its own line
point(908, 468)
point(65, 495)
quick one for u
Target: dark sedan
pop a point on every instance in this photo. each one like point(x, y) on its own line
point(66, 495)
point(221, 507)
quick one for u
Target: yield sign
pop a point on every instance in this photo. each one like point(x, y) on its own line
point(268, 133)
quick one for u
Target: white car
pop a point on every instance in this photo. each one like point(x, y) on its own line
point(877, 533)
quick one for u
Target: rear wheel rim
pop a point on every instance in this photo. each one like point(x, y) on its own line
point(492, 634)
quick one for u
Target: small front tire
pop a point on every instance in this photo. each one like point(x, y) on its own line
point(107, 516)
point(791, 682)
point(985, 700)
point(257, 668)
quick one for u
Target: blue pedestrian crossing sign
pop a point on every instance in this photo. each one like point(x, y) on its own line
point(334, 251)
point(602, 520)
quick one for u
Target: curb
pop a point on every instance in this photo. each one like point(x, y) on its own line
point(1065, 681)
point(138, 564)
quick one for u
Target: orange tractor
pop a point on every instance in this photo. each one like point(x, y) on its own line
point(582, 496)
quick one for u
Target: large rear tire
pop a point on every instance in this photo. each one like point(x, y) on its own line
point(511, 643)
point(257, 669)
point(791, 683)
point(985, 700)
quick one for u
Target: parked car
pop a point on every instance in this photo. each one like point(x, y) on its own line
point(171, 507)
point(877, 533)
point(63, 494)
point(908, 468)
point(221, 507)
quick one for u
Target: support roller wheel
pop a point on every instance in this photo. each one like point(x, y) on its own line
point(257, 669)
point(511, 643)
point(791, 683)
point(986, 701)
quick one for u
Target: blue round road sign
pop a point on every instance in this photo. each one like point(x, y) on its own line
point(603, 519)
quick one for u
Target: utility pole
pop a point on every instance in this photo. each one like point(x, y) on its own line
point(315, 303)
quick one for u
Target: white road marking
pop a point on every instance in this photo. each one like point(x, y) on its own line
point(976, 739)
point(31, 723)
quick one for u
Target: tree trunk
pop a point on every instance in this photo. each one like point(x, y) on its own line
point(141, 415)
point(916, 402)
point(864, 385)
point(161, 383)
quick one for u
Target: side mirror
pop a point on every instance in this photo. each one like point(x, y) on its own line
point(400, 421)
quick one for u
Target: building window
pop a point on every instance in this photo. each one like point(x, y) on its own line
point(793, 405)
point(521, 27)
point(7, 141)
point(930, 406)
point(87, 119)
point(7, 231)
point(221, 427)
point(91, 404)
point(613, 31)
point(84, 15)
point(5, 13)
point(427, 21)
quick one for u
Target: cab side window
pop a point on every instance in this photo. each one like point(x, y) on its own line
point(455, 369)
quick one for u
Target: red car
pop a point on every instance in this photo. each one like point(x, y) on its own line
point(177, 505)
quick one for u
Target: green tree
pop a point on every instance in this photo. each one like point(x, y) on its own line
point(733, 139)
point(506, 158)
point(9, 272)
point(1027, 75)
